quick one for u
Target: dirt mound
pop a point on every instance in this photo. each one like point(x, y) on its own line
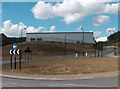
point(50, 48)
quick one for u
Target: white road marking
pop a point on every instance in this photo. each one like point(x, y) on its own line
point(79, 85)
point(71, 84)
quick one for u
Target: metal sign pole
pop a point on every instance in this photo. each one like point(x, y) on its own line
point(20, 56)
point(95, 52)
point(11, 61)
point(25, 55)
point(15, 62)
point(98, 53)
point(28, 56)
point(101, 53)
point(31, 55)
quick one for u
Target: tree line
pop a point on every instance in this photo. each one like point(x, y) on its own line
point(6, 40)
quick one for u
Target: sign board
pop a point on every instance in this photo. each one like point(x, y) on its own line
point(11, 51)
point(17, 51)
point(28, 50)
point(14, 46)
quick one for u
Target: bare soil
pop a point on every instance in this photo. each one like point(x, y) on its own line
point(50, 48)
point(66, 66)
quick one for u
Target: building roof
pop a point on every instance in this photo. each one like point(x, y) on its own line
point(60, 33)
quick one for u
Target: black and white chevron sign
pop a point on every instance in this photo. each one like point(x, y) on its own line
point(18, 51)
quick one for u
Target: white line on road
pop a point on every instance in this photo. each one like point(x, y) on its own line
point(79, 85)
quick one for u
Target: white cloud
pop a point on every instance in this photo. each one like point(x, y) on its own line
point(14, 30)
point(111, 30)
point(10, 29)
point(69, 10)
point(52, 29)
point(101, 39)
point(7, 24)
point(22, 26)
point(72, 11)
point(100, 20)
point(111, 8)
point(42, 10)
point(42, 29)
point(97, 33)
point(79, 29)
point(31, 29)
point(73, 18)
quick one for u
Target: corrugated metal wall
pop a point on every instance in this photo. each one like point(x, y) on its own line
point(62, 37)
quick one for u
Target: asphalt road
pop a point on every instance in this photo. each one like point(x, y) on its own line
point(94, 82)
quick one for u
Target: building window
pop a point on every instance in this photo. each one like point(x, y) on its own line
point(39, 39)
point(32, 39)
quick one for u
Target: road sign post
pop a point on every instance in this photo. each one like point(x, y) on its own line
point(11, 61)
point(14, 46)
point(15, 62)
point(20, 57)
point(10, 58)
point(25, 55)
point(28, 53)
point(20, 62)
point(14, 51)
point(31, 55)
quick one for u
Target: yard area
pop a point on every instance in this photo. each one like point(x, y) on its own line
point(66, 66)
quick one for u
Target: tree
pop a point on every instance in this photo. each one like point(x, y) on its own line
point(6, 41)
point(114, 37)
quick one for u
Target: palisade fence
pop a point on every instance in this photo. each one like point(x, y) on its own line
point(63, 46)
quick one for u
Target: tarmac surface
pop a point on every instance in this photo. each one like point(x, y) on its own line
point(93, 82)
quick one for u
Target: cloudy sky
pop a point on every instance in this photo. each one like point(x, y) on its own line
point(69, 16)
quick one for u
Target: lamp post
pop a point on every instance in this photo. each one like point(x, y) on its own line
point(83, 42)
point(21, 40)
point(95, 47)
point(65, 44)
point(114, 47)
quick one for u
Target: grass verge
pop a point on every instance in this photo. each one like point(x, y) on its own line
point(66, 66)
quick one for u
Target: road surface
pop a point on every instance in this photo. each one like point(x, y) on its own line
point(94, 82)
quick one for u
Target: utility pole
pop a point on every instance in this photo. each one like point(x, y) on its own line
point(83, 42)
point(21, 41)
point(65, 44)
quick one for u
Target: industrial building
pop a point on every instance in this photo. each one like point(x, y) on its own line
point(68, 37)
